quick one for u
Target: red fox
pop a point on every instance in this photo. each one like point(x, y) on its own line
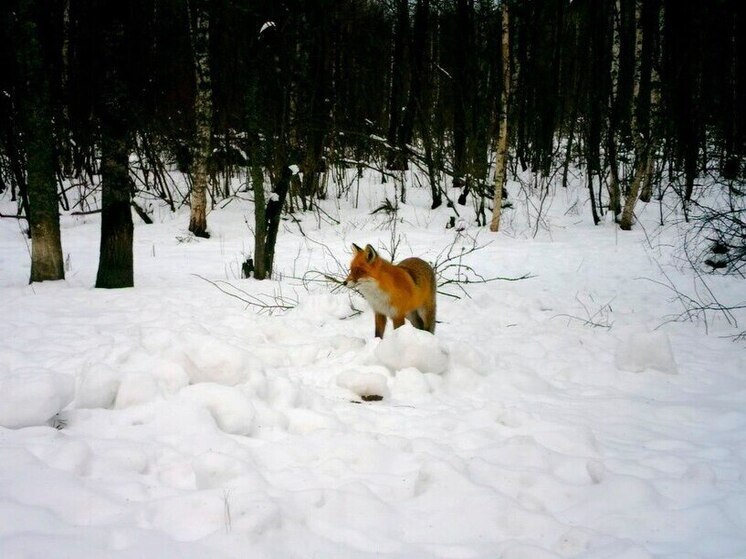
point(406, 289)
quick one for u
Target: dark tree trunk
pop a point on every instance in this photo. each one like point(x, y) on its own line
point(273, 215)
point(624, 99)
point(460, 101)
point(426, 121)
point(44, 220)
point(260, 222)
point(115, 266)
point(397, 160)
point(36, 118)
point(418, 53)
point(615, 195)
point(317, 128)
point(592, 196)
point(682, 63)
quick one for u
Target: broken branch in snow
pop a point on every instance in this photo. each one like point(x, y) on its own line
point(450, 269)
point(598, 319)
point(700, 305)
point(264, 303)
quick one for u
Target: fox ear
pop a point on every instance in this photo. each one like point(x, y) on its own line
point(370, 253)
point(356, 249)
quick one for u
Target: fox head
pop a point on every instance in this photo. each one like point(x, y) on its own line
point(363, 262)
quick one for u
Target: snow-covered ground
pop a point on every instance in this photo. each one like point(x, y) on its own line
point(563, 415)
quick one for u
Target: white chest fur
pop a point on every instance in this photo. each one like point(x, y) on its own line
point(377, 298)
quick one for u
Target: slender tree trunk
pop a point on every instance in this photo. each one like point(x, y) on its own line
point(424, 105)
point(615, 203)
point(115, 265)
point(260, 222)
point(200, 19)
point(418, 52)
point(36, 118)
point(591, 194)
point(460, 86)
point(615, 99)
point(568, 148)
point(502, 141)
point(317, 131)
point(628, 216)
point(273, 215)
point(18, 187)
point(432, 172)
point(646, 98)
point(395, 159)
point(647, 185)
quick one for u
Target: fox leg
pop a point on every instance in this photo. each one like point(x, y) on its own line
point(416, 320)
point(380, 325)
point(427, 316)
point(398, 321)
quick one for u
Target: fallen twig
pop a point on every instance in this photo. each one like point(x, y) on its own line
point(280, 302)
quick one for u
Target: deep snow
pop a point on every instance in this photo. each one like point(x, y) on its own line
point(563, 415)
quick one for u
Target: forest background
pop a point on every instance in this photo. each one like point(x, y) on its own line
point(101, 102)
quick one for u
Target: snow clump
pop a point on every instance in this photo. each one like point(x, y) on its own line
point(639, 351)
point(409, 347)
point(29, 398)
point(365, 383)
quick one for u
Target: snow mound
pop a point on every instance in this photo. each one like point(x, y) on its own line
point(639, 351)
point(319, 307)
point(136, 389)
point(208, 359)
point(410, 381)
point(98, 387)
point(232, 410)
point(365, 383)
point(70, 455)
point(409, 347)
point(135, 382)
point(303, 421)
point(216, 470)
point(30, 398)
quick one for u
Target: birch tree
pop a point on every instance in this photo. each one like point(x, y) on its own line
point(502, 139)
point(646, 98)
point(199, 18)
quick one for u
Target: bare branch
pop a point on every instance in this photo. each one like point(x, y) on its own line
point(280, 303)
point(450, 269)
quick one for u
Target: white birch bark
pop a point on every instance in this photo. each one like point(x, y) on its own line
point(644, 146)
point(203, 121)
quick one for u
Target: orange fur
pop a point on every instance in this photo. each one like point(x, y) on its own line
point(397, 291)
